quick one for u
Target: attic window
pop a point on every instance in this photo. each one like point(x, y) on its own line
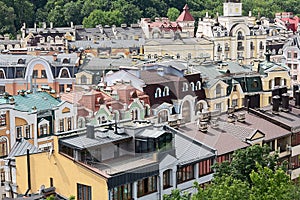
point(255, 84)
point(21, 61)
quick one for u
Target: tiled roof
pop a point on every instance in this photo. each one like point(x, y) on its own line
point(219, 138)
point(39, 100)
point(185, 15)
point(20, 148)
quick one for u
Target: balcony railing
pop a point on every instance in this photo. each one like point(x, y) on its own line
point(241, 37)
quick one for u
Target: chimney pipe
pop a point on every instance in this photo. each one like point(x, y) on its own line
point(285, 102)
point(297, 102)
point(90, 131)
point(276, 102)
point(28, 173)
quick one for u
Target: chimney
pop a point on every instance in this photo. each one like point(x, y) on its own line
point(297, 102)
point(90, 131)
point(51, 25)
point(202, 126)
point(44, 25)
point(161, 71)
point(35, 27)
point(295, 88)
point(276, 102)
point(285, 102)
point(255, 67)
point(268, 56)
point(250, 13)
point(72, 24)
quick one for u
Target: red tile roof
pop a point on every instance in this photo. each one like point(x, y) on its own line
point(185, 15)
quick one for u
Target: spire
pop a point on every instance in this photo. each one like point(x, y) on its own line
point(185, 15)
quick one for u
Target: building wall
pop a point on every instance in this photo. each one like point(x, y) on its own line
point(65, 173)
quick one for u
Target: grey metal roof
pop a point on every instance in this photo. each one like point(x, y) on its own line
point(114, 44)
point(20, 148)
point(188, 151)
point(95, 64)
point(101, 137)
point(149, 133)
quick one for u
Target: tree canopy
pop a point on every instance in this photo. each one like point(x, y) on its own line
point(62, 12)
point(253, 174)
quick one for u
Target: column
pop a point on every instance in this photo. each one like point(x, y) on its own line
point(134, 190)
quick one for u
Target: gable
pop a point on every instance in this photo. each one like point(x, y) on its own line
point(257, 135)
point(65, 110)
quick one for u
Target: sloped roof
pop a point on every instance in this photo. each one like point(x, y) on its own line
point(185, 15)
point(20, 148)
point(41, 100)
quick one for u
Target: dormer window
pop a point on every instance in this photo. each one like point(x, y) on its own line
point(198, 85)
point(185, 87)
point(66, 60)
point(166, 91)
point(240, 36)
point(21, 61)
point(64, 73)
point(218, 90)
point(157, 93)
point(192, 86)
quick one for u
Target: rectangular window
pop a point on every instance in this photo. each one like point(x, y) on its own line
point(185, 173)
point(295, 163)
point(289, 54)
point(61, 88)
point(51, 182)
point(295, 55)
point(218, 106)
point(147, 186)
point(69, 123)
point(295, 66)
point(2, 89)
point(43, 130)
point(19, 131)
point(295, 77)
point(84, 192)
point(234, 102)
point(122, 192)
point(61, 125)
point(35, 74)
point(167, 179)
point(223, 158)
point(19, 73)
point(205, 167)
point(2, 119)
point(44, 74)
point(27, 131)
point(3, 148)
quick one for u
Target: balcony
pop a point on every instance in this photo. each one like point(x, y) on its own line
point(240, 48)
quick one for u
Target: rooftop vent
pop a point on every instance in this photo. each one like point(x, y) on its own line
point(276, 102)
point(202, 126)
point(241, 117)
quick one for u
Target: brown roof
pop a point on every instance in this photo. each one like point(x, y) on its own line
point(185, 15)
point(217, 138)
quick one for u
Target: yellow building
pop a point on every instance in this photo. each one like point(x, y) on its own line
point(70, 177)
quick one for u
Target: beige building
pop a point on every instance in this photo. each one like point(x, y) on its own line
point(236, 37)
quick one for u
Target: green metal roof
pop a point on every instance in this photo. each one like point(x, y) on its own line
point(40, 100)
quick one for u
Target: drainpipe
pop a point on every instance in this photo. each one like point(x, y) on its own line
point(28, 173)
point(11, 181)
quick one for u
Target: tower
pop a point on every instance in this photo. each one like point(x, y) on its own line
point(232, 8)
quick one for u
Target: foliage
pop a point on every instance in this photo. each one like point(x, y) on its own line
point(244, 162)
point(252, 174)
point(176, 195)
point(62, 12)
point(173, 13)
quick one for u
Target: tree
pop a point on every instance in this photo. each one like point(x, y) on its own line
point(8, 16)
point(176, 195)
point(244, 161)
point(104, 18)
point(173, 13)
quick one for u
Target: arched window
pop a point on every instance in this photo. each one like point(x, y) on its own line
point(166, 91)
point(198, 85)
point(193, 86)
point(2, 74)
point(240, 35)
point(218, 90)
point(185, 87)
point(66, 60)
point(64, 74)
point(83, 79)
point(162, 116)
point(261, 46)
point(157, 93)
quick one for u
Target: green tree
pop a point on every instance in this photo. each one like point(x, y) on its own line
point(8, 16)
point(244, 161)
point(176, 195)
point(173, 13)
point(104, 18)
point(72, 12)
